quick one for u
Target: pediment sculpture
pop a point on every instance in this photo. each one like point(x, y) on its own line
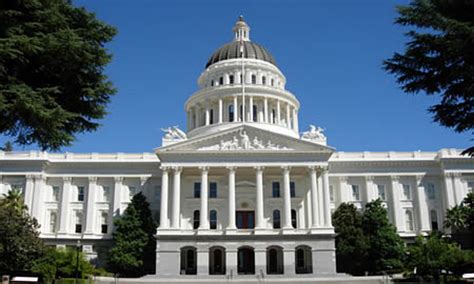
point(243, 142)
point(172, 135)
point(314, 134)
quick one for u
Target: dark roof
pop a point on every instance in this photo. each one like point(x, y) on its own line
point(232, 50)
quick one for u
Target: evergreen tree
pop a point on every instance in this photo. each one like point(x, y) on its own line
point(439, 58)
point(133, 252)
point(20, 244)
point(8, 147)
point(351, 244)
point(460, 219)
point(386, 248)
point(52, 84)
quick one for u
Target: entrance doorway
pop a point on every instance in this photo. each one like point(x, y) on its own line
point(217, 261)
point(245, 219)
point(246, 260)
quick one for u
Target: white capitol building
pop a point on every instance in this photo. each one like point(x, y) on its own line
point(242, 191)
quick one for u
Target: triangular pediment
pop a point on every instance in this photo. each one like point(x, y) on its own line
point(244, 138)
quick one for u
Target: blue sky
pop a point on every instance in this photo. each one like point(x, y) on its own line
point(330, 51)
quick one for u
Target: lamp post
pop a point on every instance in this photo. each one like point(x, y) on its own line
point(78, 248)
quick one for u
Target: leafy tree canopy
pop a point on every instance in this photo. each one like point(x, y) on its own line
point(386, 248)
point(19, 237)
point(351, 244)
point(133, 252)
point(52, 82)
point(439, 58)
point(460, 219)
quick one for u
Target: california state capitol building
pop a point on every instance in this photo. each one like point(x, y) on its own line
point(244, 190)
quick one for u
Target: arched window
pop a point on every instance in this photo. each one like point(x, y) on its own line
point(231, 113)
point(264, 80)
point(245, 260)
point(303, 260)
point(221, 81)
point(213, 219)
point(231, 79)
point(212, 82)
point(293, 218)
point(211, 116)
point(217, 261)
point(434, 220)
point(273, 116)
point(272, 82)
point(408, 221)
point(254, 79)
point(274, 260)
point(276, 219)
point(196, 217)
point(254, 113)
point(188, 261)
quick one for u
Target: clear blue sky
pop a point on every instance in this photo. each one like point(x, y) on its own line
point(330, 51)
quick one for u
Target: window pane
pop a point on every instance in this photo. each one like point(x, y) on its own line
point(381, 192)
point(355, 192)
point(197, 190)
point(80, 193)
point(292, 189)
point(276, 189)
point(213, 190)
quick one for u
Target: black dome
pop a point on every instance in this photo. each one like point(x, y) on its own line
point(232, 51)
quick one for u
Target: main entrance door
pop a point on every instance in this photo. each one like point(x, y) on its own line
point(245, 219)
point(246, 261)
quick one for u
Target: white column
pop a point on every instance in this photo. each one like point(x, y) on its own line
point(326, 198)
point(295, 120)
point(343, 189)
point(397, 214)
point(250, 108)
point(314, 197)
point(260, 221)
point(320, 197)
point(176, 198)
point(2, 186)
point(204, 214)
point(448, 193)
point(423, 211)
point(232, 223)
point(220, 111)
point(117, 203)
point(288, 118)
point(164, 222)
point(38, 195)
point(458, 188)
point(370, 193)
point(287, 198)
point(64, 207)
point(208, 118)
point(236, 110)
point(29, 189)
point(265, 110)
point(90, 210)
point(278, 118)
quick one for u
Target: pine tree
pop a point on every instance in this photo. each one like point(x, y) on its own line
point(439, 59)
point(133, 252)
point(351, 244)
point(52, 84)
point(385, 247)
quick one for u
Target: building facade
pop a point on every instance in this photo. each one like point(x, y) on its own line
point(242, 191)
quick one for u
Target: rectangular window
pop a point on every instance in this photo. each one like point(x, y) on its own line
point(406, 192)
point(104, 223)
point(381, 192)
point(431, 192)
point(105, 193)
point(132, 191)
point(292, 189)
point(78, 226)
point(331, 193)
point(212, 190)
point(221, 81)
point(275, 189)
point(55, 194)
point(53, 219)
point(80, 193)
point(157, 192)
point(355, 192)
point(231, 79)
point(197, 190)
point(470, 186)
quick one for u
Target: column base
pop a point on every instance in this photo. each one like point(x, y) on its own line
point(261, 231)
point(230, 231)
point(322, 230)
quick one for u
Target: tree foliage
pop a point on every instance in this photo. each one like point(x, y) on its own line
point(52, 82)
point(133, 252)
point(430, 256)
point(439, 58)
point(62, 263)
point(20, 244)
point(351, 244)
point(460, 219)
point(386, 248)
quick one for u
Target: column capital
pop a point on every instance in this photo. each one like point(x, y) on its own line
point(323, 168)
point(395, 178)
point(204, 169)
point(177, 169)
point(143, 180)
point(164, 168)
point(286, 168)
point(231, 168)
point(448, 175)
point(369, 178)
point(343, 178)
point(67, 179)
point(259, 168)
point(35, 176)
point(312, 168)
point(92, 179)
point(118, 179)
point(418, 179)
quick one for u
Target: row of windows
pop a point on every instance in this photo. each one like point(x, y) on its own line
point(213, 189)
point(382, 194)
point(253, 80)
point(105, 193)
point(78, 221)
